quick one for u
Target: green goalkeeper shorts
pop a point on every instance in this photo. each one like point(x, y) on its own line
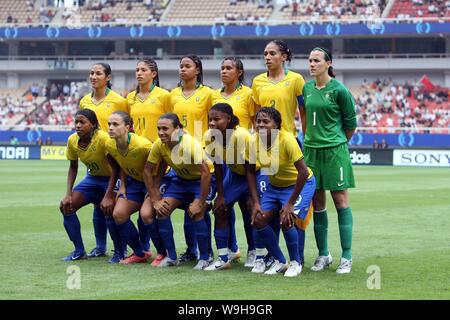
point(332, 167)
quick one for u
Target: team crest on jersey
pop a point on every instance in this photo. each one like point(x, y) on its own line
point(197, 99)
point(328, 96)
point(238, 98)
point(287, 83)
point(152, 101)
point(107, 105)
point(93, 149)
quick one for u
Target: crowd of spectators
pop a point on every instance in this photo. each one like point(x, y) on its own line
point(424, 8)
point(11, 106)
point(336, 9)
point(384, 103)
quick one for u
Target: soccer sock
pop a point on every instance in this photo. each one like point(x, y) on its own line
point(222, 235)
point(291, 237)
point(321, 231)
point(232, 240)
point(269, 239)
point(189, 234)
point(259, 245)
point(246, 216)
point(100, 229)
point(152, 229)
point(301, 244)
point(275, 225)
point(129, 232)
point(118, 242)
point(73, 229)
point(345, 220)
point(201, 233)
point(166, 233)
point(209, 228)
point(144, 236)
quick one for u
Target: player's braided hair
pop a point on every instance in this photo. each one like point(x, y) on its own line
point(282, 46)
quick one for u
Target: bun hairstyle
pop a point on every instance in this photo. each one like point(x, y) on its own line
point(282, 46)
point(227, 109)
point(198, 65)
point(273, 114)
point(107, 70)
point(328, 57)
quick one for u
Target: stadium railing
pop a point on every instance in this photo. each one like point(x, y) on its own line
point(242, 57)
point(220, 21)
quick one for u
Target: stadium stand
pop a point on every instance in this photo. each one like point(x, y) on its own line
point(16, 103)
point(126, 12)
point(186, 11)
point(384, 104)
point(23, 11)
point(321, 10)
point(420, 9)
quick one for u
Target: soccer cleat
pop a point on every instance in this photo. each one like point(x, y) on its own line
point(117, 256)
point(294, 269)
point(167, 262)
point(251, 257)
point(201, 264)
point(234, 256)
point(157, 260)
point(150, 254)
point(345, 266)
point(218, 265)
point(75, 256)
point(210, 258)
point(136, 259)
point(322, 262)
point(188, 256)
point(277, 267)
point(269, 260)
point(259, 267)
point(95, 253)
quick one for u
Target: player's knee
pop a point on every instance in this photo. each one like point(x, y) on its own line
point(260, 221)
point(119, 217)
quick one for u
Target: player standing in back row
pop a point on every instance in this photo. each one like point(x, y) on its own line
point(328, 122)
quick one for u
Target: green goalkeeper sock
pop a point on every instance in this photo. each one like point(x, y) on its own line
point(345, 220)
point(321, 231)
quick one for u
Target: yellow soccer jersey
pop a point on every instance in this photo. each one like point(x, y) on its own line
point(192, 109)
point(146, 113)
point(184, 158)
point(278, 161)
point(281, 96)
point(234, 153)
point(112, 102)
point(242, 103)
point(134, 160)
point(93, 156)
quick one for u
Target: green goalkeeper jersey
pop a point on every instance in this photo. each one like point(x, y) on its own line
point(329, 112)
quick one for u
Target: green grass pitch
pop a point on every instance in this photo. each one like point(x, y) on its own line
point(401, 226)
